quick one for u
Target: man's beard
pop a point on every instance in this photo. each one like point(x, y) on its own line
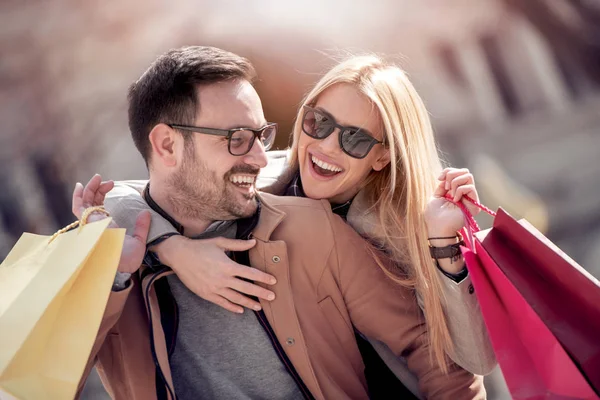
point(196, 192)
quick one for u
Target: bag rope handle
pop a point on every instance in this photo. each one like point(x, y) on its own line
point(472, 225)
point(84, 217)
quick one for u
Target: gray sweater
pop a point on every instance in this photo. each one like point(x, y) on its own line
point(222, 355)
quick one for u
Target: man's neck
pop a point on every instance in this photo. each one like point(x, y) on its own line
point(191, 226)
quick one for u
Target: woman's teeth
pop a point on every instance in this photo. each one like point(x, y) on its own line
point(325, 166)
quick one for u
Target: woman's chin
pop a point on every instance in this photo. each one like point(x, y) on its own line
point(315, 185)
point(316, 191)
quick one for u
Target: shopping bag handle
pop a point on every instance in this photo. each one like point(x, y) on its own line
point(84, 217)
point(472, 225)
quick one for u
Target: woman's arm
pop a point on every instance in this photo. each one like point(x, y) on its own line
point(131, 258)
point(125, 201)
point(387, 312)
point(202, 265)
point(206, 270)
point(472, 348)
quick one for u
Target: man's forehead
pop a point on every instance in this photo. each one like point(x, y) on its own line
point(229, 104)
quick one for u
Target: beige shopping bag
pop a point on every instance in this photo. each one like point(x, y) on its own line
point(52, 298)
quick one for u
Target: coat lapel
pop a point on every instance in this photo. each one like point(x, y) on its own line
point(272, 257)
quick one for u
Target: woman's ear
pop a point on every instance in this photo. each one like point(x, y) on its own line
point(162, 139)
point(382, 161)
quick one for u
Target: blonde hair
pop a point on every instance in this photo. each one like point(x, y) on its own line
point(400, 192)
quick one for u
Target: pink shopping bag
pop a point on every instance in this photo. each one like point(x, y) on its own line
point(533, 361)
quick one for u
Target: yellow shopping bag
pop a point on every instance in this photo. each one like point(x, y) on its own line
point(52, 298)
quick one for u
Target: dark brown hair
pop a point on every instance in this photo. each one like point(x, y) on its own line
point(166, 92)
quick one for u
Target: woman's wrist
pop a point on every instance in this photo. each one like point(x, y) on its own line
point(168, 249)
point(443, 241)
point(443, 238)
point(445, 250)
point(440, 231)
point(451, 266)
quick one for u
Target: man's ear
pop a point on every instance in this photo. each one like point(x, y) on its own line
point(163, 140)
point(381, 161)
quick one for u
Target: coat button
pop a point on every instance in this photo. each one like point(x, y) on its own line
point(471, 289)
point(290, 341)
point(276, 259)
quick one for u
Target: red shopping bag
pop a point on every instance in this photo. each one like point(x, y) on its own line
point(533, 361)
point(562, 293)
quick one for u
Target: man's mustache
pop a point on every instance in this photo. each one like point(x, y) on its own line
point(242, 169)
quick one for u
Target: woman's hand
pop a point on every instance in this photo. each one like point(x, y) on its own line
point(442, 217)
point(134, 247)
point(206, 270)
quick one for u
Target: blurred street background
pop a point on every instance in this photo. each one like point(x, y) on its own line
point(512, 86)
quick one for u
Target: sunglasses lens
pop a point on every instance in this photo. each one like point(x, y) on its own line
point(356, 143)
point(317, 125)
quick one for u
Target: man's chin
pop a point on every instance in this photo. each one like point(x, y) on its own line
point(248, 209)
point(249, 196)
point(247, 204)
point(242, 205)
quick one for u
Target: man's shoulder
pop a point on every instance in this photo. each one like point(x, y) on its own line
point(308, 227)
point(127, 189)
point(300, 218)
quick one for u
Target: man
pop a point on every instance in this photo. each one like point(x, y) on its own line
point(198, 123)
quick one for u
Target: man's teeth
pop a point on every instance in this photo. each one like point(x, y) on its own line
point(242, 179)
point(326, 166)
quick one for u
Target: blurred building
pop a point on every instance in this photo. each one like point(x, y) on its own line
point(512, 88)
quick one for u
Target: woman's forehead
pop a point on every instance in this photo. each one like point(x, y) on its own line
point(350, 107)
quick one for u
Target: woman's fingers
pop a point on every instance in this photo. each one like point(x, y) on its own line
point(240, 299)
point(442, 176)
point(461, 180)
point(90, 190)
point(440, 190)
point(252, 274)
point(452, 174)
point(251, 289)
point(226, 304)
point(204, 267)
point(100, 195)
point(77, 202)
point(234, 244)
point(142, 227)
point(90, 195)
point(465, 190)
point(468, 190)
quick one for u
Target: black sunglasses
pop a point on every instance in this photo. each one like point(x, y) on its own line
point(239, 140)
point(355, 142)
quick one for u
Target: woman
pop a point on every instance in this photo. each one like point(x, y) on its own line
point(363, 140)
